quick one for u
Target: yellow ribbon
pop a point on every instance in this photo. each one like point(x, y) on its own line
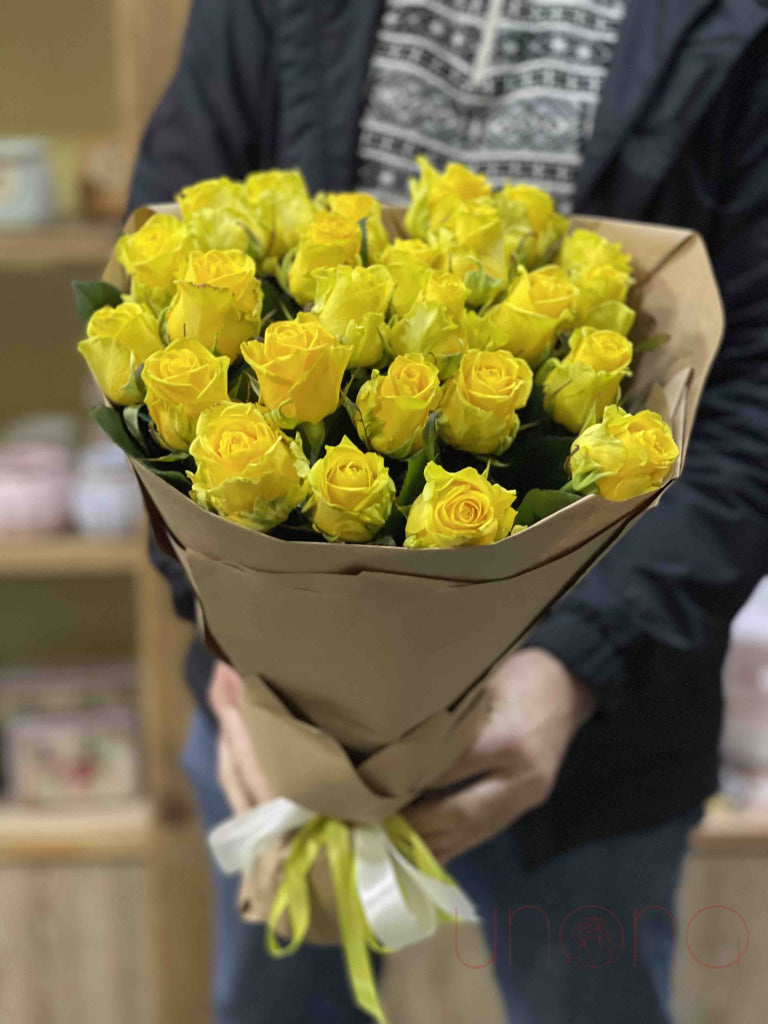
point(358, 942)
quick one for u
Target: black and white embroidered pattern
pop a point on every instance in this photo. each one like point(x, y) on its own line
point(509, 87)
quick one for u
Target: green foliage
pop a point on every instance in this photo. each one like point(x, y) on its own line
point(538, 504)
point(92, 295)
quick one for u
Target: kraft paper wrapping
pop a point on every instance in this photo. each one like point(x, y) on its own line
point(364, 664)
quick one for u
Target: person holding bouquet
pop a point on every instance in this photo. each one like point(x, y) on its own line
point(601, 743)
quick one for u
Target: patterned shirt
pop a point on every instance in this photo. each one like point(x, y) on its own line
point(510, 87)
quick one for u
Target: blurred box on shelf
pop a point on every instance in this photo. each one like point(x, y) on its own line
point(104, 497)
point(47, 485)
point(71, 756)
point(27, 194)
point(63, 688)
point(744, 742)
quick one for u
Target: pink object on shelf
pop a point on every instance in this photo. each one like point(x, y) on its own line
point(34, 487)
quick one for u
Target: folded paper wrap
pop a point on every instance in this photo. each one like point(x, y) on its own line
point(364, 664)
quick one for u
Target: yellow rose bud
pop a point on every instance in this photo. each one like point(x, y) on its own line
point(246, 469)
point(407, 260)
point(218, 301)
point(473, 240)
point(530, 317)
point(623, 455)
point(329, 240)
point(602, 293)
point(551, 292)
point(216, 214)
point(351, 494)
point(447, 289)
point(532, 225)
point(351, 303)
point(479, 404)
point(359, 206)
point(282, 208)
point(394, 407)
point(182, 380)
point(435, 196)
point(429, 329)
point(119, 339)
point(583, 249)
point(299, 366)
point(459, 510)
point(578, 388)
point(153, 256)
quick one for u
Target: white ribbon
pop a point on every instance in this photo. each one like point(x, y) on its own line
point(399, 901)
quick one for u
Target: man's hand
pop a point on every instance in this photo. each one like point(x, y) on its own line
point(537, 707)
point(237, 767)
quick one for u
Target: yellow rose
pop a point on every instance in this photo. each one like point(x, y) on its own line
point(359, 206)
point(622, 456)
point(351, 303)
point(473, 241)
point(532, 225)
point(602, 293)
point(282, 209)
point(459, 510)
point(328, 241)
point(394, 407)
point(407, 260)
point(429, 329)
point(447, 289)
point(119, 339)
point(216, 214)
point(182, 380)
point(435, 196)
point(153, 256)
point(577, 389)
point(218, 301)
point(351, 494)
point(246, 469)
point(479, 404)
point(530, 317)
point(583, 249)
point(299, 366)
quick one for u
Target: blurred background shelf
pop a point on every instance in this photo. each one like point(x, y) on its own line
point(40, 555)
point(732, 830)
point(112, 832)
point(72, 243)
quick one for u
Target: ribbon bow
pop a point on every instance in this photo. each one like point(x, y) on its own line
point(390, 891)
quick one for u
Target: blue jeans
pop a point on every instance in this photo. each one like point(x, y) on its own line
point(593, 970)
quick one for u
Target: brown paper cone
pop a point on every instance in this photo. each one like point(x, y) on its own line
point(364, 664)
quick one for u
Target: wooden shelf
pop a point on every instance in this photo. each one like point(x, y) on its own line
point(730, 830)
point(44, 555)
point(67, 243)
point(124, 831)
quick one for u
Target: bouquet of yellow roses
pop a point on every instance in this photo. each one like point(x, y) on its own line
point(382, 442)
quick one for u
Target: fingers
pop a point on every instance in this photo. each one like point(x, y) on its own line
point(235, 735)
point(226, 688)
point(453, 824)
point(229, 779)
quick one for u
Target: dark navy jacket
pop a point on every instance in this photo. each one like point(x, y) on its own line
point(681, 138)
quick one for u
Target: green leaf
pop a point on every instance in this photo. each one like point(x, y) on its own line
point(654, 341)
point(429, 437)
point(92, 295)
point(278, 305)
point(364, 241)
point(538, 504)
point(172, 476)
point(242, 384)
point(111, 422)
point(534, 460)
point(131, 421)
point(313, 438)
